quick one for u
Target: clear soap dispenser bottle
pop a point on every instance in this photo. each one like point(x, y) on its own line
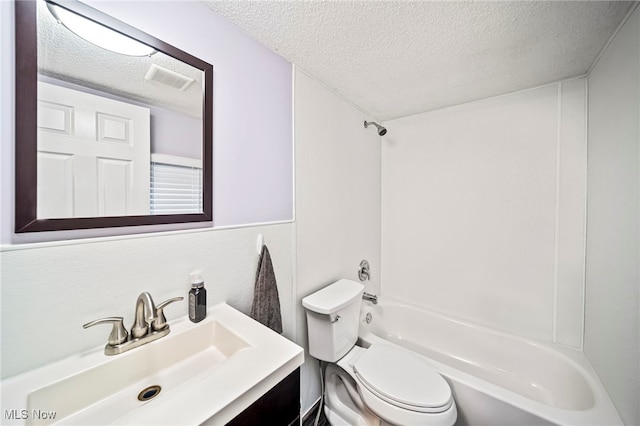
point(197, 297)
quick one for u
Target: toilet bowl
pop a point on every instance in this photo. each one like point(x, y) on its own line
point(378, 385)
point(395, 385)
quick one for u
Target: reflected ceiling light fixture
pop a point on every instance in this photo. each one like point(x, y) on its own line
point(97, 34)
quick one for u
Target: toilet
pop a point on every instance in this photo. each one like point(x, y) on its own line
point(375, 386)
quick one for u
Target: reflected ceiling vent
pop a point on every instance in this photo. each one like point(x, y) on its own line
point(167, 77)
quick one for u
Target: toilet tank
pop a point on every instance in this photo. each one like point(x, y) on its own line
point(332, 319)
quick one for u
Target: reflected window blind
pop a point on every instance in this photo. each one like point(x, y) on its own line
point(175, 189)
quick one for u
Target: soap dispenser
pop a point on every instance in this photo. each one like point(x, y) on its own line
point(197, 297)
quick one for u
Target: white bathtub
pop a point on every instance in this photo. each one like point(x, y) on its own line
point(496, 378)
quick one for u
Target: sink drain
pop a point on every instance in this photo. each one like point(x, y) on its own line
point(149, 393)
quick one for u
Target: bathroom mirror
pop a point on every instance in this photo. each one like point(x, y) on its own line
point(108, 133)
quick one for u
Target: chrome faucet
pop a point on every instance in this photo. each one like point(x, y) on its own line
point(370, 297)
point(149, 324)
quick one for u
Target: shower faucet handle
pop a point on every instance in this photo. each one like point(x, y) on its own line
point(118, 332)
point(363, 271)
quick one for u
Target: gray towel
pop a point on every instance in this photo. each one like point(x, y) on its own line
point(266, 303)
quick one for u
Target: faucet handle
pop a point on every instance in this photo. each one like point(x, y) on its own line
point(364, 271)
point(118, 332)
point(160, 321)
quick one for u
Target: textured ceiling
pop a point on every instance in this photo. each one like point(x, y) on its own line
point(66, 56)
point(398, 58)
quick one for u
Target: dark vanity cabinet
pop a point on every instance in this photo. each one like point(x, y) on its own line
point(280, 406)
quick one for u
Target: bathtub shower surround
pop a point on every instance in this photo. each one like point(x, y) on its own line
point(497, 378)
point(524, 214)
point(495, 232)
point(612, 315)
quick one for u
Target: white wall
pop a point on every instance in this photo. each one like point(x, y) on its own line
point(252, 112)
point(337, 202)
point(612, 322)
point(50, 289)
point(483, 211)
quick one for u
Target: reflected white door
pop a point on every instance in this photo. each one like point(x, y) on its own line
point(93, 155)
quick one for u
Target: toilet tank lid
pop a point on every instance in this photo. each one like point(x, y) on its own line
point(333, 297)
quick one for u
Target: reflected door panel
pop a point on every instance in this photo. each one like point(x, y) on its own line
point(93, 155)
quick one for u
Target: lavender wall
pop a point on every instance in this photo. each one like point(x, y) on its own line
point(253, 142)
point(252, 104)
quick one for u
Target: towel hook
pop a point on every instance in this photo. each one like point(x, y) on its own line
point(259, 243)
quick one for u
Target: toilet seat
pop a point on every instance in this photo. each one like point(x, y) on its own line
point(402, 379)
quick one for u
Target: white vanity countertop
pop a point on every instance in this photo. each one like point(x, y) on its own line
point(211, 396)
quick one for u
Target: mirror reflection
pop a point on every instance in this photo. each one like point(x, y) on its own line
point(120, 124)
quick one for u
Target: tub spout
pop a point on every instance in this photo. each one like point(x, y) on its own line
point(370, 297)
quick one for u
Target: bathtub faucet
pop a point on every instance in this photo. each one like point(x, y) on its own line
point(370, 297)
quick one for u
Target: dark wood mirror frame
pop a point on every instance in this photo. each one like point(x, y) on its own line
point(26, 134)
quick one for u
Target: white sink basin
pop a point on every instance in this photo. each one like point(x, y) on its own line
point(206, 372)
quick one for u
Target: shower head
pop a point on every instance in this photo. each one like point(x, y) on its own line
point(381, 130)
